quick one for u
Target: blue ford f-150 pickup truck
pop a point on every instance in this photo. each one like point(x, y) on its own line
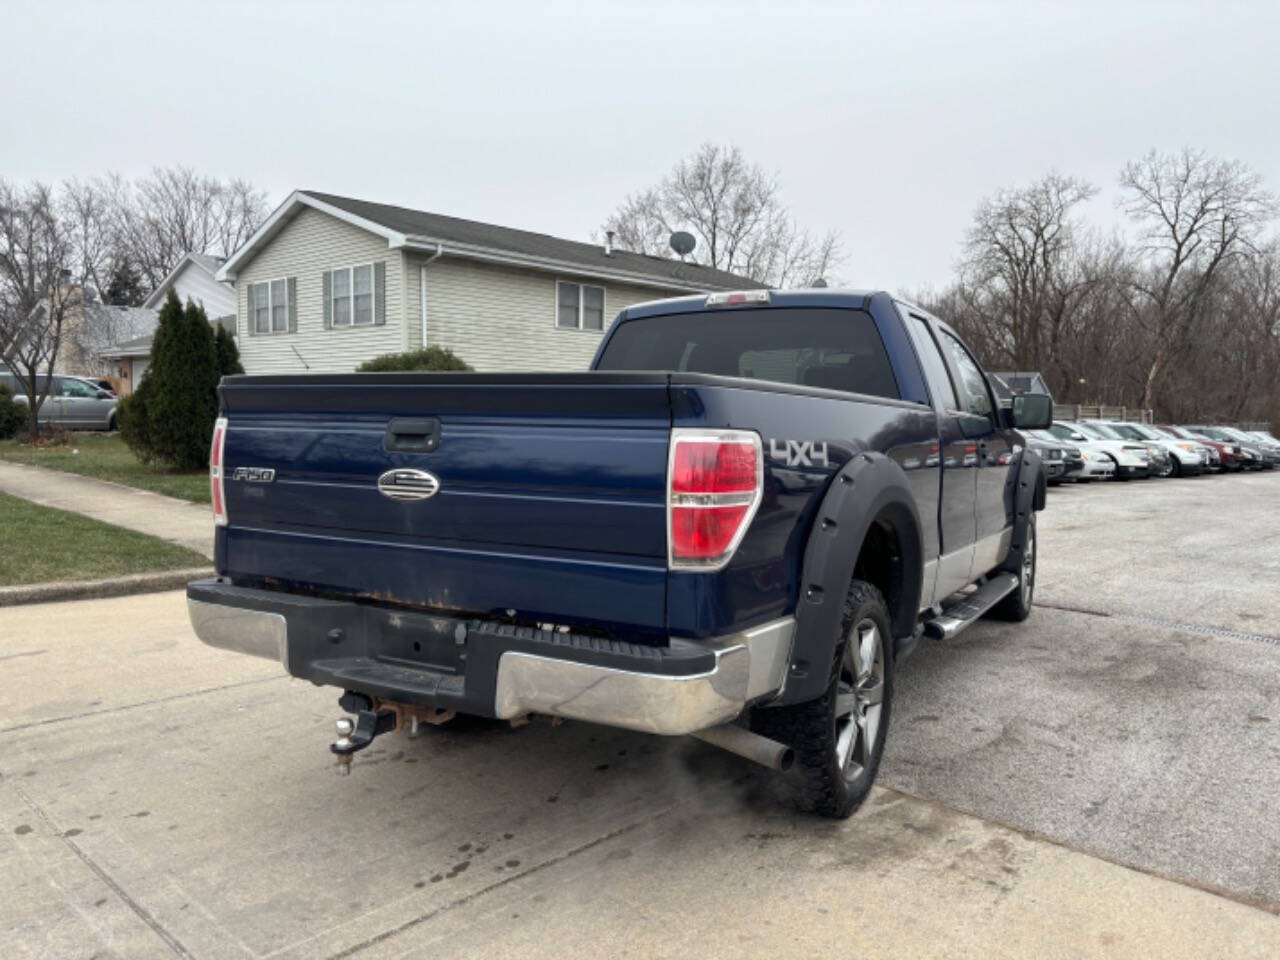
point(733, 526)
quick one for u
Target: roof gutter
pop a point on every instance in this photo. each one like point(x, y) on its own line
point(508, 258)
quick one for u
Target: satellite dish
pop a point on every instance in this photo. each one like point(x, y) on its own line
point(683, 243)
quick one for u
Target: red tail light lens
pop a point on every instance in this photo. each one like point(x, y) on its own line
point(216, 491)
point(714, 485)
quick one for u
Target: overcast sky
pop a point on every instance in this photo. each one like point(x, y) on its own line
point(886, 122)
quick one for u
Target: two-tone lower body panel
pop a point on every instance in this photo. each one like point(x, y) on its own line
point(495, 669)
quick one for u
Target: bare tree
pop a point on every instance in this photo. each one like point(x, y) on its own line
point(734, 210)
point(88, 218)
point(1197, 214)
point(37, 290)
point(1020, 274)
point(175, 211)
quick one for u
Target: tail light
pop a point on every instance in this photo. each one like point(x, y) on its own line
point(715, 479)
point(216, 490)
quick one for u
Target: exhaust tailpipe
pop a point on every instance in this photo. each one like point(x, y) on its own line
point(752, 746)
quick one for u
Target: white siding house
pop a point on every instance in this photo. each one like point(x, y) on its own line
point(193, 279)
point(330, 282)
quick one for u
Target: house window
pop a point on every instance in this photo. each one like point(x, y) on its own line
point(342, 298)
point(579, 306)
point(352, 297)
point(269, 306)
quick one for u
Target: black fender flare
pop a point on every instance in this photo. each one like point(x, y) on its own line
point(1029, 495)
point(869, 485)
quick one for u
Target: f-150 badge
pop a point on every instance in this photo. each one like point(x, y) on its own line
point(254, 474)
point(799, 453)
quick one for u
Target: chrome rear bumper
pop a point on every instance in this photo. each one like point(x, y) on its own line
point(748, 666)
point(739, 668)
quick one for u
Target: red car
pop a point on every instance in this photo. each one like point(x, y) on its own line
point(1228, 452)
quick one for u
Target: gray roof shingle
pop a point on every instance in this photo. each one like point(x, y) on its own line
point(209, 262)
point(434, 226)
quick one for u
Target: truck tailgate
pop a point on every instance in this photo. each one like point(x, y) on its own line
point(550, 499)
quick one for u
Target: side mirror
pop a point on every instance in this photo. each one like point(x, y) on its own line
point(1032, 411)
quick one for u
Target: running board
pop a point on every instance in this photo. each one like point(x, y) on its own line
point(955, 618)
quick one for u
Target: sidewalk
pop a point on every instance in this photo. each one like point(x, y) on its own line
point(163, 517)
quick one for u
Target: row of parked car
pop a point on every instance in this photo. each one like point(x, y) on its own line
point(1084, 450)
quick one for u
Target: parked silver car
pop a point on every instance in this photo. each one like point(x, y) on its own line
point(76, 403)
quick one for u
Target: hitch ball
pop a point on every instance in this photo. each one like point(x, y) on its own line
point(344, 728)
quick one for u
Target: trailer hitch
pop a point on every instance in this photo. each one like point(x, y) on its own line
point(356, 736)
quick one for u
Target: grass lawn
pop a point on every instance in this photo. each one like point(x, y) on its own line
point(105, 456)
point(39, 544)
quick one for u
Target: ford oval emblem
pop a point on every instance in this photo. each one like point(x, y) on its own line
point(408, 484)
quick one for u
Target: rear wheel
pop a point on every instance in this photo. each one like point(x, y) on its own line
point(839, 738)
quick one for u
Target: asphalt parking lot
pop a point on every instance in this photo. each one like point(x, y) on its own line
point(1099, 781)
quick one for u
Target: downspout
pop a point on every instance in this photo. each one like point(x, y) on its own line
point(422, 288)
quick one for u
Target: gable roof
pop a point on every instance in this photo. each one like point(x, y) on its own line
point(1009, 384)
point(206, 262)
point(452, 236)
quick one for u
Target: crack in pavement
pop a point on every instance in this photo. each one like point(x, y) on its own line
point(476, 894)
point(1257, 903)
point(23, 653)
point(136, 706)
point(1199, 629)
point(174, 944)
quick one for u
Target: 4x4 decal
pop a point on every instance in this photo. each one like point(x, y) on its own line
point(799, 453)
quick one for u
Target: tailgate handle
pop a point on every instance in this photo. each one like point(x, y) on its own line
point(413, 435)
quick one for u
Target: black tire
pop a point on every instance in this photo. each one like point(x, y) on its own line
point(825, 784)
point(1016, 607)
point(1175, 466)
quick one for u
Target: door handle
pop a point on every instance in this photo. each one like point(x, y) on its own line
point(412, 435)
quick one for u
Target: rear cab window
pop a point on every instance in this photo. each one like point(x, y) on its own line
point(830, 348)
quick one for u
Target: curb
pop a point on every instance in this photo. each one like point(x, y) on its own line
point(97, 589)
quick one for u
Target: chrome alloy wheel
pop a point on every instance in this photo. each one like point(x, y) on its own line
point(859, 698)
point(1027, 580)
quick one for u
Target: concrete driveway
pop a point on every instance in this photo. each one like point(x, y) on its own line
point(1090, 784)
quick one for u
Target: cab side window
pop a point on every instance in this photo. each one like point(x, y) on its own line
point(973, 382)
point(935, 368)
